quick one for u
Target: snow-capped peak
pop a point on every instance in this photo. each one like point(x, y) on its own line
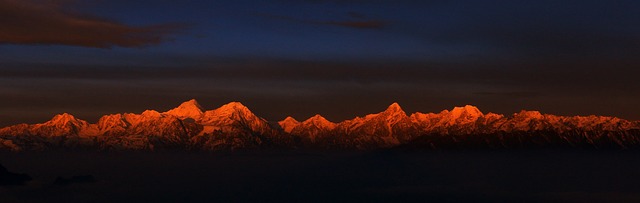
point(316, 117)
point(151, 114)
point(394, 107)
point(61, 119)
point(232, 107)
point(290, 119)
point(467, 110)
point(288, 124)
point(62, 124)
point(528, 114)
point(188, 109)
point(394, 111)
point(234, 113)
point(234, 126)
point(110, 121)
point(320, 121)
point(232, 110)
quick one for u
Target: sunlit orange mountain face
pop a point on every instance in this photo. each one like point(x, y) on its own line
point(319, 101)
point(234, 127)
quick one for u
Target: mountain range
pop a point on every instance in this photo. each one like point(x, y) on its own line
point(234, 127)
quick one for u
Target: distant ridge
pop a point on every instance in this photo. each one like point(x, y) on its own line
point(234, 127)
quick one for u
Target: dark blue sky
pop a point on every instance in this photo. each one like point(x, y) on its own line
point(337, 58)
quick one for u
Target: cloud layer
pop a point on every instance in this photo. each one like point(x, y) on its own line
point(276, 89)
point(49, 22)
point(339, 58)
point(355, 22)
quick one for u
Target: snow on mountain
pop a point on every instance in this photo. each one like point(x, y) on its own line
point(60, 125)
point(526, 121)
point(233, 126)
point(319, 122)
point(233, 115)
point(460, 120)
point(188, 109)
point(535, 121)
point(313, 128)
point(288, 124)
point(387, 128)
point(466, 114)
point(113, 124)
point(389, 117)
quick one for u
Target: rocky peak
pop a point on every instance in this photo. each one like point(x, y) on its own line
point(63, 120)
point(62, 124)
point(466, 111)
point(320, 122)
point(110, 121)
point(493, 116)
point(233, 108)
point(394, 112)
point(64, 117)
point(235, 113)
point(289, 119)
point(151, 114)
point(395, 107)
point(231, 111)
point(528, 115)
point(288, 124)
point(188, 109)
point(110, 118)
point(460, 116)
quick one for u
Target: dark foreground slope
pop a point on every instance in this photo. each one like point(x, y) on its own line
point(544, 139)
point(435, 176)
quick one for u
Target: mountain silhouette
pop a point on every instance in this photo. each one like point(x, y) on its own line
point(234, 126)
point(9, 178)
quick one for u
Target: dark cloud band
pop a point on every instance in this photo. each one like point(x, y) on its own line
point(37, 22)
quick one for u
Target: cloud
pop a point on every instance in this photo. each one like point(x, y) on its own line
point(278, 88)
point(35, 22)
point(372, 24)
point(545, 30)
point(509, 94)
point(354, 14)
point(358, 24)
